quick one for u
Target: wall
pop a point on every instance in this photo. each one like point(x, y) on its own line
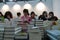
point(56, 8)
point(48, 4)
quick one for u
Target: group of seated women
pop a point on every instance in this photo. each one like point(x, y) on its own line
point(28, 17)
point(49, 16)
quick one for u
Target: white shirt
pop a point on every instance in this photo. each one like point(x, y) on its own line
point(17, 19)
point(7, 22)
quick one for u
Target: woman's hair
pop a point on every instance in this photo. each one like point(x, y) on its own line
point(44, 12)
point(1, 13)
point(18, 14)
point(26, 11)
point(8, 13)
point(51, 13)
point(32, 13)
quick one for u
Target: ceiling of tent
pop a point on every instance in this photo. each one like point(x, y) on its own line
point(1, 1)
point(14, 0)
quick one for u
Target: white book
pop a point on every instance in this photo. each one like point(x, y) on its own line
point(1, 35)
point(8, 35)
point(8, 39)
point(1, 38)
point(21, 36)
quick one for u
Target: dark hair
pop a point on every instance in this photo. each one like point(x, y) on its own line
point(26, 11)
point(44, 12)
point(1, 13)
point(51, 13)
point(32, 13)
point(8, 13)
point(18, 14)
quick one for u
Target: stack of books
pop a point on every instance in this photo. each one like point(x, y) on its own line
point(34, 33)
point(21, 36)
point(1, 33)
point(1, 30)
point(39, 23)
point(9, 32)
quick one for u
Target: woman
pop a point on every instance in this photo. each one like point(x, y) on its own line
point(52, 17)
point(1, 17)
point(25, 18)
point(18, 16)
point(8, 16)
point(43, 16)
point(32, 16)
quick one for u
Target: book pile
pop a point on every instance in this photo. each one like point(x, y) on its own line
point(1, 33)
point(21, 36)
point(9, 32)
point(1, 30)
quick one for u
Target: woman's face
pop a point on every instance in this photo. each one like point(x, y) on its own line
point(8, 16)
point(50, 15)
point(25, 14)
point(33, 15)
point(45, 14)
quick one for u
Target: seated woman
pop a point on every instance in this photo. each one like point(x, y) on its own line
point(32, 16)
point(18, 15)
point(43, 16)
point(25, 18)
point(8, 18)
point(18, 18)
point(52, 17)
